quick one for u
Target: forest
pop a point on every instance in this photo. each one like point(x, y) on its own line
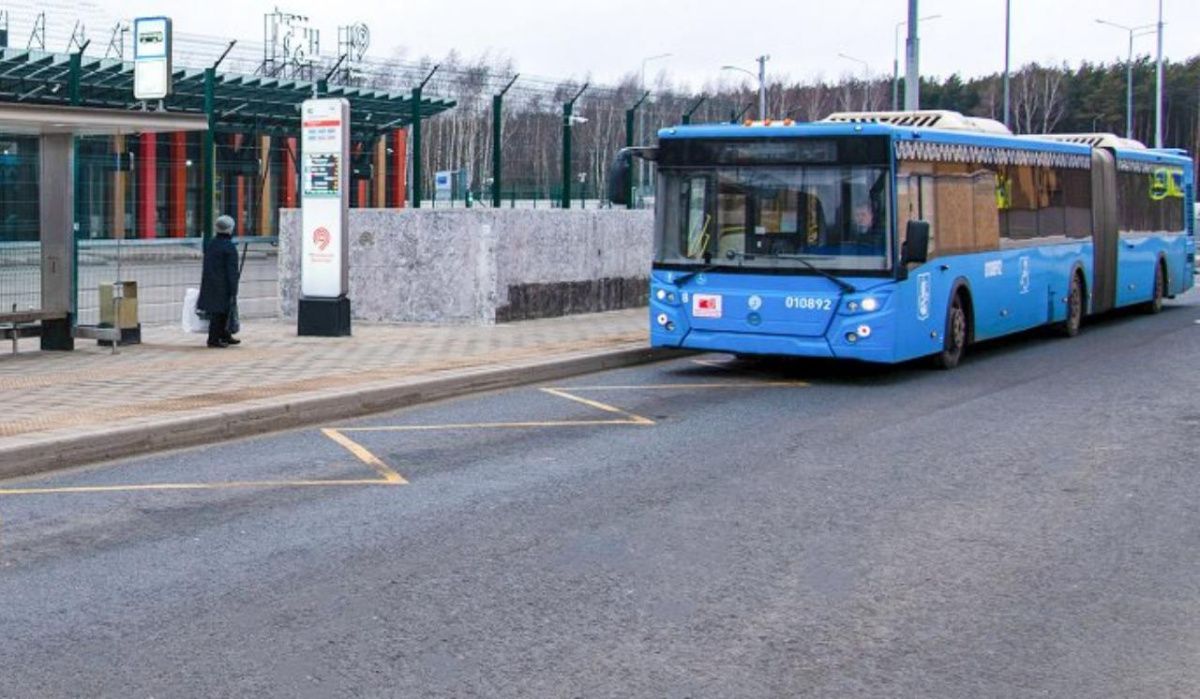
point(1089, 97)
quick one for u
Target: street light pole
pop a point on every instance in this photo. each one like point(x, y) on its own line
point(912, 77)
point(1158, 84)
point(762, 83)
point(1133, 31)
point(1007, 52)
point(762, 86)
point(866, 74)
point(896, 60)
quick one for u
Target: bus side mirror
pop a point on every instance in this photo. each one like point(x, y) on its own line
point(916, 243)
point(620, 178)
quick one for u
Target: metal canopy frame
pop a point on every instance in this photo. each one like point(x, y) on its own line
point(238, 103)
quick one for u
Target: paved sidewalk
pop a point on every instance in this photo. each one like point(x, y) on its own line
point(88, 405)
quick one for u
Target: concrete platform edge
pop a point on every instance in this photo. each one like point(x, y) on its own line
point(55, 454)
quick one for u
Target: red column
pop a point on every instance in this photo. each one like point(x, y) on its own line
point(289, 177)
point(178, 226)
point(362, 194)
point(147, 223)
point(400, 168)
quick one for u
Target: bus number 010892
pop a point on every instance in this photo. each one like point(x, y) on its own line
point(808, 303)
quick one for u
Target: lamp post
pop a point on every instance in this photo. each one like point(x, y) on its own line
point(762, 83)
point(896, 60)
point(648, 59)
point(1133, 31)
point(1158, 84)
point(866, 74)
point(912, 56)
point(1007, 52)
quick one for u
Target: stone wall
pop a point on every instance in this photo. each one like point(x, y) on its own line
point(483, 265)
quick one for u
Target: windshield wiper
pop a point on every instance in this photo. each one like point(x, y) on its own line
point(845, 286)
point(683, 278)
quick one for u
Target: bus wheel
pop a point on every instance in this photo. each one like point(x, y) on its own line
point(954, 342)
point(1155, 305)
point(1070, 326)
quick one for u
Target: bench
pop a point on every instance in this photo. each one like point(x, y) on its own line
point(17, 324)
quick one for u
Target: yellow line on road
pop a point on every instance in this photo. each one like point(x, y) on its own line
point(365, 456)
point(490, 425)
point(562, 393)
point(193, 486)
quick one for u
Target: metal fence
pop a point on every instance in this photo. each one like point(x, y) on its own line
point(20, 276)
point(165, 269)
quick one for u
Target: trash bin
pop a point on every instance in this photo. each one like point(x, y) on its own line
point(119, 308)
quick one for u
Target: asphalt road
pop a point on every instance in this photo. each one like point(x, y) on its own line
point(1026, 525)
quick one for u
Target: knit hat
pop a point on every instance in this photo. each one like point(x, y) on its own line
point(225, 225)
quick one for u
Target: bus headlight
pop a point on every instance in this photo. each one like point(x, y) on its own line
point(870, 303)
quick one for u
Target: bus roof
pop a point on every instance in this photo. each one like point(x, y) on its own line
point(835, 129)
point(789, 129)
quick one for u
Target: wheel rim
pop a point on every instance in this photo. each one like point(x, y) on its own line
point(958, 330)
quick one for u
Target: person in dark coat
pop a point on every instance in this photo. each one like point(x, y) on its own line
point(219, 283)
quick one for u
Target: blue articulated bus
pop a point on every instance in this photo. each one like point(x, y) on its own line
point(885, 237)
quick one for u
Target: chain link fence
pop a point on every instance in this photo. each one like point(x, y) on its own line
point(165, 269)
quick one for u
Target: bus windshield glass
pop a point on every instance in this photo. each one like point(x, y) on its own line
point(835, 217)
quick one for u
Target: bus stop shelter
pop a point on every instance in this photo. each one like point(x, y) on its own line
point(56, 129)
point(60, 97)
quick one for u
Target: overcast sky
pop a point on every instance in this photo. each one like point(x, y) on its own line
point(609, 38)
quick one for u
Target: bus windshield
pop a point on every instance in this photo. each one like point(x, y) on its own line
point(835, 217)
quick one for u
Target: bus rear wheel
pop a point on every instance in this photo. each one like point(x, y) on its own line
point(1155, 304)
point(954, 341)
point(1070, 326)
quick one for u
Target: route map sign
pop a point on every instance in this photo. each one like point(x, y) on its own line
point(321, 175)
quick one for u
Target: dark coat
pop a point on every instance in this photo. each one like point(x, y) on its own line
point(219, 283)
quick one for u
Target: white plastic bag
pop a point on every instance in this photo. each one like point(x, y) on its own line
point(192, 323)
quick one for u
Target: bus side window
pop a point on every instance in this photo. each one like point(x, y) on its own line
point(914, 200)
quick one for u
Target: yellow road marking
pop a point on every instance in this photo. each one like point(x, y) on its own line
point(490, 425)
point(193, 486)
point(388, 475)
point(365, 456)
point(562, 393)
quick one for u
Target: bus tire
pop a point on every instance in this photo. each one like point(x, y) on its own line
point(1070, 326)
point(958, 332)
point(1155, 304)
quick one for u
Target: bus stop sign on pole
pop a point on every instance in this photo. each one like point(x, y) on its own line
point(151, 58)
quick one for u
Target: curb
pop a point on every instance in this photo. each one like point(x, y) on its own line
point(262, 418)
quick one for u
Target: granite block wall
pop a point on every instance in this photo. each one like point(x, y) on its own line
point(483, 265)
